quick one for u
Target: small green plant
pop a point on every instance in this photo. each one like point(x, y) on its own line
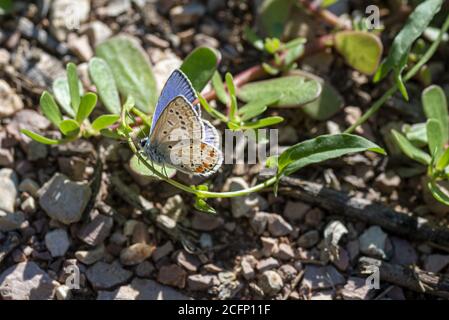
point(122, 72)
point(433, 135)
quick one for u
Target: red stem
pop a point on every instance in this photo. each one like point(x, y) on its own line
point(325, 15)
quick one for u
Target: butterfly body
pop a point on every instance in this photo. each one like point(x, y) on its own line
point(179, 137)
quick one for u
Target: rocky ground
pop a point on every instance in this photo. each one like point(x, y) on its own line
point(133, 238)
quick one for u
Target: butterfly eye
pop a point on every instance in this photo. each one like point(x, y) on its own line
point(143, 142)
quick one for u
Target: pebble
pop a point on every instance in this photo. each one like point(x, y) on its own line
point(26, 281)
point(96, 231)
point(295, 211)
point(90, 256)
point(206, 241)
point(403, 252)
point(61, 10)
point(318, 277)
point(341, 261)
point(57, 242)
point(259, 221)
point(309, 239)
point(277, 226)
point(29, 186)
point(9, 218)
point(97, 32)
point(172, 275)
point(6, 157)
point(436, 262)
point(142, 289)
point(270, 282)
point(287, 272)
point(64, 200)
point(387, 182)
point(314, 217)
point(247, 270)
point(63, 292)
point(267, 264)
point(136, 253)
point(373, 242)
point(103, 275)
point(356, 289)
point(115, 8)
point(162, 251)
point(144, 269)
point(243, 206)
point(269, 246)
point(199, 282)
point(187, 14)
point(206, 222)
point(285, 252)
point(188, 261)
point(29, 205)
point(10, 102)
point(80, 46)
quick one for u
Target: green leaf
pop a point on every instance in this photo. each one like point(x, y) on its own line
point(410, 150)
point(231, 87)
point(443, 161)
point(294, 50)
point(112, 134)
point(69, 127)
point(140, 168)
point(87, 105)
point(200, 65)
point(104, 121)
point(412, 30)
point(434, 137)
point(61, 91)
point(294, 90)
point(438, 193)
point(361, 50)
point(252, 109)
point(272, 45)
point(328, 103)
point(322, 148)
point(131, 69)
point(253, 38)
point(272, 16)
point(218, 85)
point(102, 77)
point(37, 137)
point(74, 89)
point(416, 134)
point(435, 107)
point(212, 111)
point(50, 109)
point(201, 205)
point(6, 6)
point(262, 123)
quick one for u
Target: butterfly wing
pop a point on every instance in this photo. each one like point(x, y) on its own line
point(180, 140)
point(176, 85)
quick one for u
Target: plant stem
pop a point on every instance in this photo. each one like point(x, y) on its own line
point(410, 74)
point(325, 15)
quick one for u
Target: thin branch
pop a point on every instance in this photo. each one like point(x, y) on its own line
point(325, 15)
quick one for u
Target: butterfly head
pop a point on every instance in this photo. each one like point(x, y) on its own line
point(143, 142)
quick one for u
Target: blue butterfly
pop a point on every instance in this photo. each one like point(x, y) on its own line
point(178, 136)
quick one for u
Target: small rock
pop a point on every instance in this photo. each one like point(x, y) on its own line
point(6, 157)
point(29, 205)
point(116, 8)
point(267, 264)
point(247, 270)
point(240, 206)
point(287, 272)
point(57, 242)
point(162, 251)
point(206, 222)
point(10, 102)
point(172, 275)
point(206, 241)
point(387, 182)
point(30, 186)
point(295, 210)
point(309, 239)
point(91, 256)
point(106, 276)
point(341, 261)
point(199, 282)
point(187, 14)
point(314, 217)
point(436, 262)
point(373, 242)
point(97, 230)
point(277, 226)
point(404, 253)
point(356, 289)
point(141, 289)
point(144, 269)
point(63, 292)
point(9, 218)
point(26, 281)
point(73, 167)
point(136, 254)
point(187, 261)
point(64, 200)
point(353, 249)
point(317, 277)
point(60, 12)
point(285, 252)
point(259, 222)
point(97, 32)
point(270, 282)
point(80, 46)
point(269, 246)
point(323, 295)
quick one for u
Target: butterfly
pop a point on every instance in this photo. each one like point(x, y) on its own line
point(179, 137)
